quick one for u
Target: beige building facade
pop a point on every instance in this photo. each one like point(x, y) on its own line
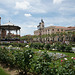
point(49, 31)
point(71, 32)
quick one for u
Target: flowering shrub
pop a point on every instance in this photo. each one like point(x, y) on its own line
point(14, 44)
point(48, 46)
point(27, 46)
point(54, 56)
point(37, 45)
point(44, 64)
point(23, 60)
point(67, 67)
point(18, 58)
point(62, 47)
point(56, 46)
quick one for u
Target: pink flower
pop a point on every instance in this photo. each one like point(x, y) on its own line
point(61, 54)
point(2, 47)
point(61, 60)
point(74, 58)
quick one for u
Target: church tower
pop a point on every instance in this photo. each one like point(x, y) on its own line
point(41, 24)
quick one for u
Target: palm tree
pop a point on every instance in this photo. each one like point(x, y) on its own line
point(53, 36)
point(44, 37)
point(35, 37)
point(69, 35)
point(61, 36)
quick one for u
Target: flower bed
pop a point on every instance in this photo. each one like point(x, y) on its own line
point(45, 64)
point(55, 56)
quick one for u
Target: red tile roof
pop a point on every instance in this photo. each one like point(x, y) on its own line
point(70, 28)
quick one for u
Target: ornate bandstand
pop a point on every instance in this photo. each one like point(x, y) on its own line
point(9, 27)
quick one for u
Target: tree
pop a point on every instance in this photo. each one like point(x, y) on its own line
point(53, 36)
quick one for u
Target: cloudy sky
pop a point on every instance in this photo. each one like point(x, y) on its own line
point(28, 13)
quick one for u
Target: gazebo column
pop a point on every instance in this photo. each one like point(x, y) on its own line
point(16, 33)
point(0, 34)
point(19, 33)
point(9, 34)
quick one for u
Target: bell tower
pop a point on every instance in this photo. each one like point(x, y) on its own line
point(42, 23)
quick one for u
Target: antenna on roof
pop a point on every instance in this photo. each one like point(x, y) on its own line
point(9, 21)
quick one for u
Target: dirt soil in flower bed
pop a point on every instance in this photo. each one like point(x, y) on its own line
point(8, 70)
point(11, 71)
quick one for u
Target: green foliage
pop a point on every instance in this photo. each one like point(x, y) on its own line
point(48, 46)
point(37, 45)
point(58, 46)
point(14, 44)
point(68, 48)
point(63, 47)
point(43, 65)
point(17, 58)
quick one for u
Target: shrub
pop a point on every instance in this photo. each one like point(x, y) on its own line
point(14, 44)
point(63, 47)
point(23, 60)
point(68, 48)
point(48, 46)
point(37, 45)
point(42, 64)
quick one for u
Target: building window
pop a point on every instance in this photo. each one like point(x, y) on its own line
point(57, 29)
point(52, 29)
point(61, 29)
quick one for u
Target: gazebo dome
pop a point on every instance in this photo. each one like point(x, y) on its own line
point(9, 23)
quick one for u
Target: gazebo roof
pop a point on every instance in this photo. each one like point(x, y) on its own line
point(9, 26)
point(9, 23)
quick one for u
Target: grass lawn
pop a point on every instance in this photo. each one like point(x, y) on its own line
point(2, 72)
point(69, 55)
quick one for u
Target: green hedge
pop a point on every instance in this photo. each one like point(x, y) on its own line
point(14, 44)
point(58, 46)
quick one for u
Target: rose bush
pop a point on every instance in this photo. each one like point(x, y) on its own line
point(42, 64)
